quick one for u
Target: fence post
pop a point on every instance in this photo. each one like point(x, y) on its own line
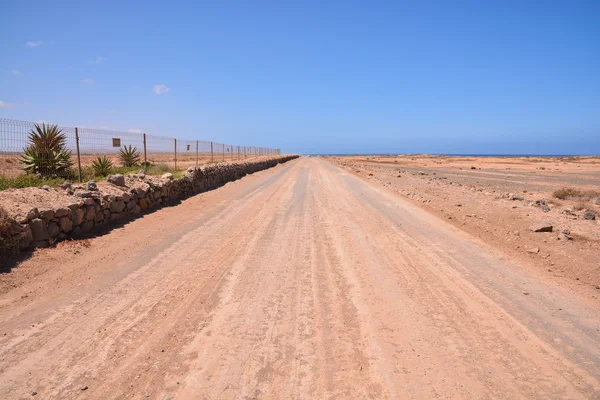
point(145, 159)
point(223, 152)
point(78, 154)
point(212, 156)
point(175, 141)
point(196, 153)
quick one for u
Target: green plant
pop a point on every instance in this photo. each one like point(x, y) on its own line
point(102, 166)
point(46, 154)
point(129, 156)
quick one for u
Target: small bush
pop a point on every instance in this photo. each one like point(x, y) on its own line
point(102, 166)
point(129, 156)
point(574, 193)
point(46, 153)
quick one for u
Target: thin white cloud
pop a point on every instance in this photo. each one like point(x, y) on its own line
point(87, 81)
point(161, 89)
point(7, 105)
point(12, 105)
point(132, 130)
point(34, 44)
point(97, 60)
point(15, 72)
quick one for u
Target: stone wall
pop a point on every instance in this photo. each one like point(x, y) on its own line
point(92, 208)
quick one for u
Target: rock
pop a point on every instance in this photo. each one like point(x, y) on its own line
point(83, 193)
point(472, 167)
point(73, 206)
point(598, 201)
point(589, 215)
point(65, 224)
point(144, 204)
point(90, 213)
point(168, 175)
point(137, 209)
point(39, 229)
point(533, 250)
point(540, 202)
point(89, 202)
point(33, 213)
point(53, 229)
point(99, 217)
point(542, 227)
point(91, 185)
point(46, 188)
point(62, 212)
point(78, 216)
point(116, 179)
point(126, 197)
point(516, 197)
point(47, 214)
point(131, 205)
point(117, 206)
point(65, 185)
point(141, 193)
point(76, 231)
point(87, 226)
point(141, 173)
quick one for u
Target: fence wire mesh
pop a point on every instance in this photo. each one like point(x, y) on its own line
point(57, 151)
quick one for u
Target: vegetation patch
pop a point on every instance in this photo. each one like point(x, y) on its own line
point(575, 194)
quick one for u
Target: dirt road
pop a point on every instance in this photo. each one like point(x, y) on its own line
point(302, 281)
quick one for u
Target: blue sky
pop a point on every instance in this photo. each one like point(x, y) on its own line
point(331, 77)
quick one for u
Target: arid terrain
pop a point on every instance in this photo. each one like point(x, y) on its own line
point(501, 199)
point(324, 278)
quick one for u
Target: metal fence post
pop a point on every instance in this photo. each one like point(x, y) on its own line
point(223, 152)
point(145, 159)
point(212, 155)
point(78, 154)
point(196, 153)
point(175, 141)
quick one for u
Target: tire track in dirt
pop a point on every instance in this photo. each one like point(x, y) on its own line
point(307, 283)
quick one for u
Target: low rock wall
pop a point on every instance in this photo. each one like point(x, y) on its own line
point(92, 208)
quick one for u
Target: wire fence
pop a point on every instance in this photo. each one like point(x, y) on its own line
point(78, 152)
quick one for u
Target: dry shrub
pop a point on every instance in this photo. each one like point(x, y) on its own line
point(580, 205)
point(574, 193)
point(554, 202)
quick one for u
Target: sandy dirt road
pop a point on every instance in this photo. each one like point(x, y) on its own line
point(302, 281)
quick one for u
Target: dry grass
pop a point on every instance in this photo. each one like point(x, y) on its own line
point(556, 203)
point(575, 194)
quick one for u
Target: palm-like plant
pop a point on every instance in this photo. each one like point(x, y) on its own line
point(102, 166)
point(47, 154)
point(130, 156)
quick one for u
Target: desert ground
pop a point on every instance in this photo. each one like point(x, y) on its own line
point(324, 278)
point(500, 199)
